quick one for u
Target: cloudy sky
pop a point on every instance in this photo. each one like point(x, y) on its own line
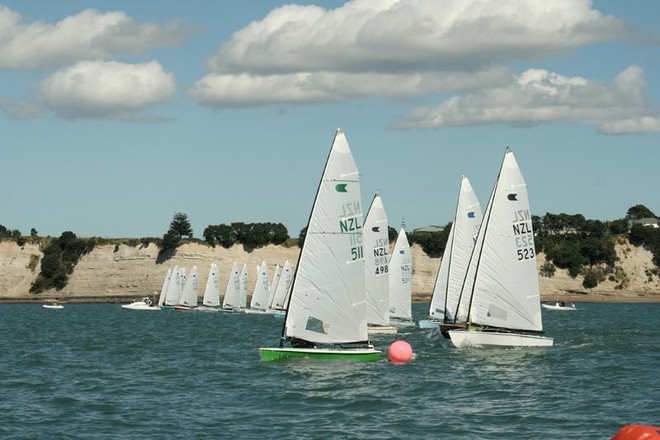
point(117, 114)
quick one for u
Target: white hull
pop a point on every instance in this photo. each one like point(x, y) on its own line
point(467, 338)
point(53, 306)
point(382, 330)
point(139, 306)
point(207, 309)
point(257, 311)
point(402, 323)
point(558, 307)
point(428, 324)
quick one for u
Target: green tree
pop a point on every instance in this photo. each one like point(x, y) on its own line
point(638, 211)
point(180, 226)
point(33, 233)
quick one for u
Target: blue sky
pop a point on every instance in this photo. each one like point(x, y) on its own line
point(117, 114)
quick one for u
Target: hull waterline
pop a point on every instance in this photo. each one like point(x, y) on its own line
point(275, 354)
point(467, 338)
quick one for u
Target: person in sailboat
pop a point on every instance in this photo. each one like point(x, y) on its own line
point(301, 343)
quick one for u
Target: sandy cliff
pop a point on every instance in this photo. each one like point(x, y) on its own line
point(116, 273)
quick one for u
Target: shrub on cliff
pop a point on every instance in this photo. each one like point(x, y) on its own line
point(60, 257)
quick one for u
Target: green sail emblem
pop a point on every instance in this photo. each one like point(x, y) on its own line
point(341, 187)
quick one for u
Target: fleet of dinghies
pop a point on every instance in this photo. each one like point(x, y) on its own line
point(348, 285)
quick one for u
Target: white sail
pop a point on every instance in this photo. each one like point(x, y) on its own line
point(189, 294)
point(283, 286)
point(401, 279)
point(259, 300)
point(375, 240)
point(232, 298)
point(243, 280)
point(273, 285)
point(163, 290)
point(502, 278)
point(455, 261)
point(174, 288)
point(212, 291)
point(328, 302)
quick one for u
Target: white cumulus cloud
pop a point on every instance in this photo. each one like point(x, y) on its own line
point(107, 89)
point(409, 35)
point(238, 90)
point(302, 54)
point(87, 35)
point(538, 96)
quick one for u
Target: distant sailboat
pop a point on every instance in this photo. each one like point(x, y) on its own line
point(174, 289)
point(375, 240)
point(449, 282)
point(163, 290)
point(259, 300)
point(504, 306)
point(400, 282)
point(326, 316)
point(232, 299)
point(282, 289)
point(277, 274)
point(211, 299)
point(188, 299)
point(243, 287)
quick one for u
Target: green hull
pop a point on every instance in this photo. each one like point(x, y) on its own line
point(276, 354)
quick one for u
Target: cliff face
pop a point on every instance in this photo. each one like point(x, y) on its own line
point(116, 273)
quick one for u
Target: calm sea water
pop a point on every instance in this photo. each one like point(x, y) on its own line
point(100, 371)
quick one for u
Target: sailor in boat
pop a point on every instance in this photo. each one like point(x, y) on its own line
point(561, 304)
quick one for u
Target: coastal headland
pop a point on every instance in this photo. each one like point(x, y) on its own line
point(119, 273)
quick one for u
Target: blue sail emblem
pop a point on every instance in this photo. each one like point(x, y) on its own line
point(402, 252)
point(376, 229)
point(512, 197)
point(471, 214)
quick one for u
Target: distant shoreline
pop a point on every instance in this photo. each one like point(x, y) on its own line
point(117, 299)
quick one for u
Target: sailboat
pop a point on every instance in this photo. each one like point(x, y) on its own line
point(278, 305)
point(504, 307)
point(376, 243)
point(173, 290)
point(243, 287)
point(273, 287)
point(211, 299)
point(259, 300)
point(163, 290)
point(326, 316)
point(400, 282)
point(559, 305)
point(231, 300)
point(449, 282)
point(188, 299)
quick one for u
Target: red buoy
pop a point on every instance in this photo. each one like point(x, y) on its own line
point(400, 352)
point(637, 432)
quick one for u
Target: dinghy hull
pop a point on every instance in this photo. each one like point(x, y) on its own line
point(467, 338)
point(362, 354)
point(428, 324)
point(382, 330)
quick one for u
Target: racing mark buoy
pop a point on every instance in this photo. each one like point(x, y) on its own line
point(400, 352)
point(637, 432)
